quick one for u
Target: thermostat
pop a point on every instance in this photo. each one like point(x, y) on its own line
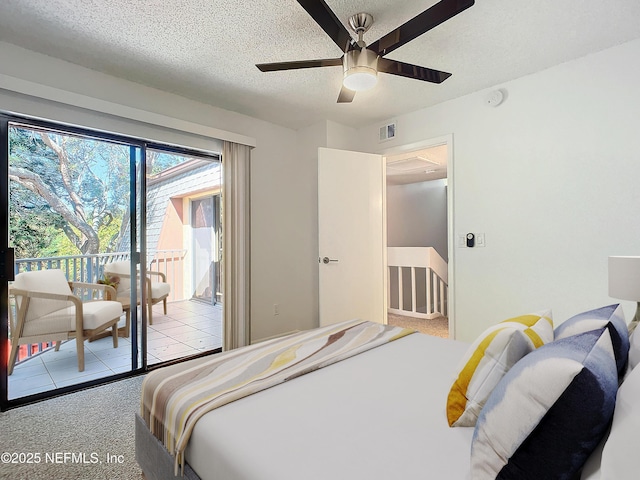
point(471, 240)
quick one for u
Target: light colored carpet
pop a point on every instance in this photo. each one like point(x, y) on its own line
point(438, 327)
point(75, 435)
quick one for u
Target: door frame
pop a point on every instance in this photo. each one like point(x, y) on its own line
point(138, 251)
point(451, 244)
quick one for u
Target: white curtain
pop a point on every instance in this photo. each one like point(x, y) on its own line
point(236, 227)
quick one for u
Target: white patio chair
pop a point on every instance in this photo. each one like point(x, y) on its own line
point(47, 310)
point(156, 291)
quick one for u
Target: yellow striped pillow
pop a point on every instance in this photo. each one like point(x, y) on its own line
point(488, 359)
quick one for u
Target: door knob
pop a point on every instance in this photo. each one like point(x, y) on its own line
point(326, 260)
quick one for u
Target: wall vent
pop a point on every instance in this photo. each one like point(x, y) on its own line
point(388, 131)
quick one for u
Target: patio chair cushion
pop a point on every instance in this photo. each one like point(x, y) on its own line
point(121, 268)
point(47, 281)
point(98, 313)
point(159, 289)
point(95, 314)
point(60, 321)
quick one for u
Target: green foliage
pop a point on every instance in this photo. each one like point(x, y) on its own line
point(60, 246)
point(70, 194)
point(32, 224)
point(110, 235)
point(77, 198)
point(158, 161)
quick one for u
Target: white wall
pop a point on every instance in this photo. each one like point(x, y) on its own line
point(550, 176)
point(341, 137)
point(417, 216)
point(282, 206)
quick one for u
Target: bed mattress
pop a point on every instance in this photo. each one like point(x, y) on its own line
point(378, 415)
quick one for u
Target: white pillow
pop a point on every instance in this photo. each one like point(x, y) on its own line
point(634, 349)
point(620, 453)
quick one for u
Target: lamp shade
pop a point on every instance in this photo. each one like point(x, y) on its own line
point(624, 278)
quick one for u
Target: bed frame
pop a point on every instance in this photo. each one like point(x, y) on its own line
point(154, 459)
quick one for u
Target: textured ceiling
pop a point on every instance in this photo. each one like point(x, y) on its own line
point(206, 49)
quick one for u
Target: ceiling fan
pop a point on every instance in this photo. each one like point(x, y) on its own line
point(361, 62)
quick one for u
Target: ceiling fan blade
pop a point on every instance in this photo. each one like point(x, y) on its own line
point(326, 62)
point(346, 95)
point(430, 18)
point(328, 21)
point(411, 71)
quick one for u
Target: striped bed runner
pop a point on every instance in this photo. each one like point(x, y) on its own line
point(172, 402)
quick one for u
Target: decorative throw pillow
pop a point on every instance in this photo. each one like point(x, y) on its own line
point(549, 411)
point(489, 358)
point(634, 349)
point(612, 317)
point(619, 460)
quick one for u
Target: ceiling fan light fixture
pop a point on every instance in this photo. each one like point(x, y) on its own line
point(360, 69)
point(358, 81)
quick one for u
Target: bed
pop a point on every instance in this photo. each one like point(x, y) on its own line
point(377, 415)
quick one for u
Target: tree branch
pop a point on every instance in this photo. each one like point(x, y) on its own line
point(65, 171)
point(34, 183)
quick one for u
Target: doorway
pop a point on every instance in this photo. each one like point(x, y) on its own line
point(419, 206)
point(207, 249)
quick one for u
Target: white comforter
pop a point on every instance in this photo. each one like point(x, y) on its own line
point(378, 415)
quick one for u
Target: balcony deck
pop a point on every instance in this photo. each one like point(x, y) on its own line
point(189, 328)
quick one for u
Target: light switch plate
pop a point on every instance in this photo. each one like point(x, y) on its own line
point(480, 240)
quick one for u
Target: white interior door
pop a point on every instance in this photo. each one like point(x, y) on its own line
point(351, 236)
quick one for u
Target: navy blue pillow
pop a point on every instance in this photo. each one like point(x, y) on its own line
point(611, 316)
point(548, 413)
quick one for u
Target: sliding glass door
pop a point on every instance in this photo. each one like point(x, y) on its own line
point(98, 217)
point(182, 221)
point(68, 206)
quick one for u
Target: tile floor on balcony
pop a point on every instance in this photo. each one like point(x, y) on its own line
point(189, 328)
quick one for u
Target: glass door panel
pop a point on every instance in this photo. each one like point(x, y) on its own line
point(68, 213)
point(183, 251)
